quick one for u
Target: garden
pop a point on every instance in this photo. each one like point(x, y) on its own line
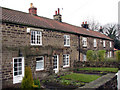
point(75, 77)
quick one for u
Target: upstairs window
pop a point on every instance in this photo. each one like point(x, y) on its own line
point(84, 42)
point(36, 38)
point(40, 63)
point(103, 43)
point(66, 40)
point(95, 43)
point(65, 60)
point(110, 44)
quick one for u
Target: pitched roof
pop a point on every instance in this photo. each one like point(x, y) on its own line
point(19, 17)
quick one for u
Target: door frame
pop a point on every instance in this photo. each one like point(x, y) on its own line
point(57, 69)
point(23, 66)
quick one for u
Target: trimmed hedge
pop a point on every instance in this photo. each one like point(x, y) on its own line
point(118, 55)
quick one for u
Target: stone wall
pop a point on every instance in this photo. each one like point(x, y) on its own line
point(15, 38)
point(106, 82)
point(79, 64)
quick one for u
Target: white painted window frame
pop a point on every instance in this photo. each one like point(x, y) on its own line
point(40, 62)
point(95, 43)
point(67, 40)
point(110, 53)
point(84, 57)
point(110, 44)
point(36, 34)
point(66, 56)
point(84, 41)
point(104, 43)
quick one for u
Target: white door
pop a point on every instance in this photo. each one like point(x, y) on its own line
point(18, 69)
point(56, 64)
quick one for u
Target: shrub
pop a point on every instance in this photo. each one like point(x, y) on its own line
point(90, 54)
point(37, 83)
point(118, 55)
point(101, 55)
point(27, 81)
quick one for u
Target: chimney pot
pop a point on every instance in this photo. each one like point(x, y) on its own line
point(55, 12)
point(86, 22)
point(31, 5)
point(58, 11)
point(82, 22)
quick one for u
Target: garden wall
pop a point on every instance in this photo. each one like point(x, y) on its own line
point(106, 82)
point(79, 64)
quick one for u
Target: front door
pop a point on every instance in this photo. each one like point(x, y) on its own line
point(18, 69)
point(56, 64)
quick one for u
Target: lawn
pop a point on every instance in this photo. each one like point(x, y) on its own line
point(80, 77)
point(99, 69)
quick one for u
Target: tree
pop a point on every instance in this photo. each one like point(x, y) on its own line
point(94, 25)
point(111, 30)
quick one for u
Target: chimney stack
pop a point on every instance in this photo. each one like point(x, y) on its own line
point(85, 25)
point(32, 9)
point(57, 16)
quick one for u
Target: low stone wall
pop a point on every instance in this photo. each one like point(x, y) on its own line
point(79, 64)
point(108, 82)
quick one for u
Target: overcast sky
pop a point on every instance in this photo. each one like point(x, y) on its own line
point(73, 11)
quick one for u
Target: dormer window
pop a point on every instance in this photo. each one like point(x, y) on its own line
point(84, 42)
point(66, 40)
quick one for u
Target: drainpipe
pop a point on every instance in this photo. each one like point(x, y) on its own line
point(79, 46)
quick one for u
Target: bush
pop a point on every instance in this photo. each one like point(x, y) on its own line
point(27, 81)
point(118, 55)
point(101, 55)
point(90, 54)
point(37, 83)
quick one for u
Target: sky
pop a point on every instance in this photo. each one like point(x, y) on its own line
point(73, 11)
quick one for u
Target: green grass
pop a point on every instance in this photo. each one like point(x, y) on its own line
point(100, 69)
point(80, 77)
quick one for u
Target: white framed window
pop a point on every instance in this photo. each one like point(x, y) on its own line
point(66, 40)
point(36, 38)
point(40, 63)
point(84, 57)
point(66, 59)
point(103, 43)
point(95, 43)
point(110, 44)
point(84, 42)
point(110, 53)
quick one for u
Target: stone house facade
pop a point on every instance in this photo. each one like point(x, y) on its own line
point(46, 45)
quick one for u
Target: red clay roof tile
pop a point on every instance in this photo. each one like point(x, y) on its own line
point(28, 19)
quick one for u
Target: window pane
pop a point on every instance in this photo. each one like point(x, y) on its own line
point(40, 63)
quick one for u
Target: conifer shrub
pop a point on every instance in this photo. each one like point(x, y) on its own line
point(37, 83)
point(118, 55)
point(101, 55)
point(27, 81)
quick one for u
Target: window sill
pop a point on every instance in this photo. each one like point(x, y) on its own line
point(67, 45)
point(66, 66)
point(84, 46)
point(36, 44)
point(39, 69)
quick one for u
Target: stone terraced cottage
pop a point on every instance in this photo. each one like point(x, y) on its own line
point(46, 45)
